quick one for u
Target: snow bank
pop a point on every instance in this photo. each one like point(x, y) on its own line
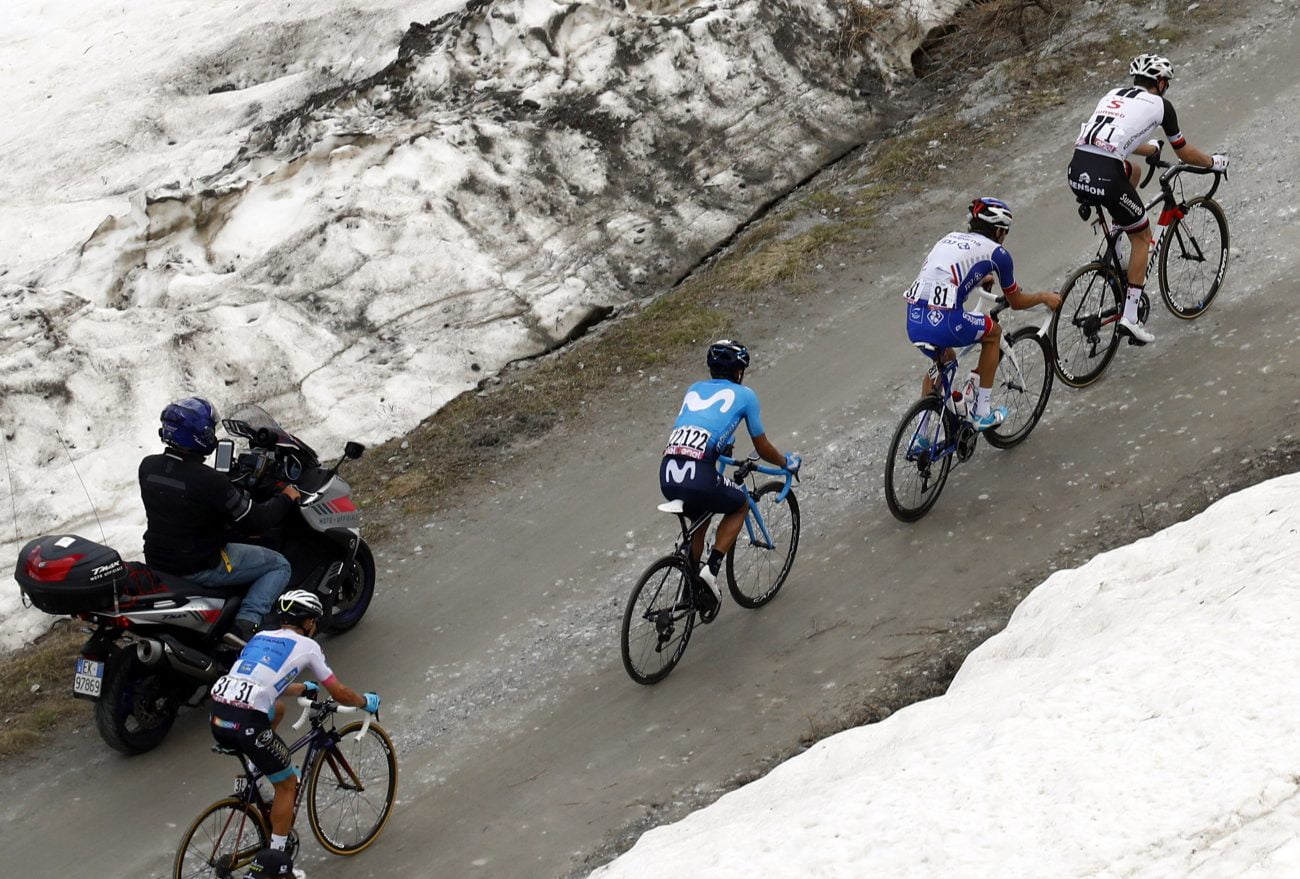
point(1137, 717)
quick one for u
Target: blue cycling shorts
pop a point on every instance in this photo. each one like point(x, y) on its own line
point(699, 486)
point(946, 328)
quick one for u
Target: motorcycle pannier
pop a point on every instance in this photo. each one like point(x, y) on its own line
point(66, 574)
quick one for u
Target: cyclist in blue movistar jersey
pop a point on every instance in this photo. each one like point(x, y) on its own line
point(936, 301)
point(248, 703)
point(1099, 169)
point(710, 414)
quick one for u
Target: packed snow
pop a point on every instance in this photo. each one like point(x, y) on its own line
point(316, 207)
point(1137, 718)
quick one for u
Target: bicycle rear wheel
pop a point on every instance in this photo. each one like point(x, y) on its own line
point(222, 842)
point(658, 621)
point(914, 476)
point(1022, 384)
point(1085, 330)
point(351, 788)
point(1194, 258)
point(756, 569)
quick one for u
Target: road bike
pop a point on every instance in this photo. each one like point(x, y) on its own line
point(935, 435)
point(662, 609)
point(349, 779)
point(1189, 256)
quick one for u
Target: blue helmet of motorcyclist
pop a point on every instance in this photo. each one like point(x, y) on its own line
point(190, 426)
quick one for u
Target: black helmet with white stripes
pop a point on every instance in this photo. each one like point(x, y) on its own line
point(725, 357)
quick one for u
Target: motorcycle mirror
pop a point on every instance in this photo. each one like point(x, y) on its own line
point(225, 456)
point(353, 450)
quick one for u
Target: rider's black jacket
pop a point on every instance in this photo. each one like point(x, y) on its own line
point(191, 509)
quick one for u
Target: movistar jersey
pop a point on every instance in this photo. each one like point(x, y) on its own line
point(709, 417)
point(1124, 119)
point(955, 265)
point(269, 663)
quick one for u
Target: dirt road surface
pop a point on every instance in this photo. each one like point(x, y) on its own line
point(524, 747)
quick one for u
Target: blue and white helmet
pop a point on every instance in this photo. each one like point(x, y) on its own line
point(992, 211)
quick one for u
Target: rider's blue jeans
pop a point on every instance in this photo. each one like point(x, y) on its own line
point(265, 569)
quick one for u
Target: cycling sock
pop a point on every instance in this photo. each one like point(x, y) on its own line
point(715, 560)
point(1131, 303)
point(982, 396)
point(279, 842)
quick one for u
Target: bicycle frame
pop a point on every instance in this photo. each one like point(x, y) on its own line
point(753, 515)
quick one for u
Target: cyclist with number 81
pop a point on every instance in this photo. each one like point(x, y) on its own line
point(249, 703)
point(936, 301)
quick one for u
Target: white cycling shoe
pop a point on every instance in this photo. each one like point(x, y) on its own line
point(1135, 331)
point(992, 418)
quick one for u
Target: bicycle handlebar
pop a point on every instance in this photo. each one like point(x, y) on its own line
point(751, 465)
point(329, 705)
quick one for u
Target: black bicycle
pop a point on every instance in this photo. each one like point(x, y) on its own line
point(662, 608)
point(349, 777)
point(935, 435)
point(1190, 259)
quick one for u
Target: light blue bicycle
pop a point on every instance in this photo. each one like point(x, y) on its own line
point(661, 611)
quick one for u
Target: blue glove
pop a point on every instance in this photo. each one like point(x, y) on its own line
point(372, 703)
point(311, 690)
point(792, 462)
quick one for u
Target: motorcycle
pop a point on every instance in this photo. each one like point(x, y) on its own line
point(158, 641)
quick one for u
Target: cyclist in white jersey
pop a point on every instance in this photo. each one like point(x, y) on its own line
point(248, 703)
point(1100, 170)
point(936, 301)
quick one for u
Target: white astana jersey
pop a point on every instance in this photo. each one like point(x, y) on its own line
point(269, 663)
point(1124, 120)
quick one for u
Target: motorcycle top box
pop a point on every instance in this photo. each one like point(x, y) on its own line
point(67, 574)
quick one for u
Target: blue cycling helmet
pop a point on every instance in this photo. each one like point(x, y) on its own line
point(725, 357)
point(992, 211)
point(271, 862)
point(190, 425)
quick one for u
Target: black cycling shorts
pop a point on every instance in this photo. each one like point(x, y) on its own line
point(1103, 179)
point(249, 732)
point(699, 486)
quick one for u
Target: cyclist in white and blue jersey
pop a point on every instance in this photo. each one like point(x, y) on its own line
point(936, 301)
point(705, 425)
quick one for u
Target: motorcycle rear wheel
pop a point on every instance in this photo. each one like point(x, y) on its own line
point(138, 704)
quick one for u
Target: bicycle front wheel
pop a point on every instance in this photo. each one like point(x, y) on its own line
point(222, 842)
point(919, 459)
point(351, 788)
point(1194, 258)
point(1022, 384)
point(756, 565)
point(658, 621)
point(1085, 330)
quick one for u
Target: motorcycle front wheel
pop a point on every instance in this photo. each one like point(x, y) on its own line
point(356, 588)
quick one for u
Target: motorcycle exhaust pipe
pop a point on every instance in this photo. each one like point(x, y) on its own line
point(189, 661)
point(149, 651)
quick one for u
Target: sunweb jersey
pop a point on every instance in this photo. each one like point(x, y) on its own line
point(710, 414)
point(1124, 119)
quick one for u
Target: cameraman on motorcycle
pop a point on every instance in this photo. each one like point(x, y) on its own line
point(190, 507)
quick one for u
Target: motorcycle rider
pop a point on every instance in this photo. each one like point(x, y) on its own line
point(190, 507)
point(248, 704)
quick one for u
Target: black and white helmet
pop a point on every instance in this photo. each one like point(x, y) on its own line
point(992, 211)
point(297, 604)
point(1151, 66)
point(725, 357)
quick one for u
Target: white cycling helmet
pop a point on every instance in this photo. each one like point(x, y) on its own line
point(298, 604)
point(1151, 66)
point(992, 211)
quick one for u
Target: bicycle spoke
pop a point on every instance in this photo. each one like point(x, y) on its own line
point(1192, 265)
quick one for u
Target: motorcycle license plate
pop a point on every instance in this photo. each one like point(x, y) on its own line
point(89, 679)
